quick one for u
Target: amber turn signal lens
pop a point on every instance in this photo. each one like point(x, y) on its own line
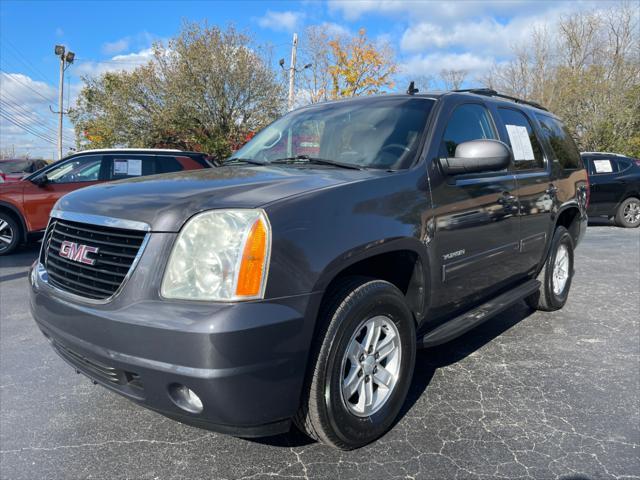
point(253, 261)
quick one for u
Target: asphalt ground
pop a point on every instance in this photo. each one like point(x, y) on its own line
point(526, 395)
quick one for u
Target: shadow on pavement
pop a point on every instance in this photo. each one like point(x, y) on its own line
point(23, 257)
point(427, 362)
point(601, 222)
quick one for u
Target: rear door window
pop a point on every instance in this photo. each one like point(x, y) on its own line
point(563, 147)
point(527, 152)
point(470, 121)
point(603, 165)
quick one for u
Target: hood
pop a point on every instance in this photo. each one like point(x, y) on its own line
point(165, 202)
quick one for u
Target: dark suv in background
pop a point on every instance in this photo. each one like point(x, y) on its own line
point(295, 281)
point(615, 187)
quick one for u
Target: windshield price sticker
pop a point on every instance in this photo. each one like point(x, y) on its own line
point(603, 166)
point(520, 143)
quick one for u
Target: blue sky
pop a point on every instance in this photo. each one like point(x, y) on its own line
point(426, 37)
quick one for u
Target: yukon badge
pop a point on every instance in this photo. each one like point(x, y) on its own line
point(77, 253)
point(457, 253)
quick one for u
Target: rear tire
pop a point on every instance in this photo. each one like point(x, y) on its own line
point(556, 274)
point(357, 313)
point(9, 234)
point(628, 214)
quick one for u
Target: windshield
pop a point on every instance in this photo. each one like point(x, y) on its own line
point(371, 133)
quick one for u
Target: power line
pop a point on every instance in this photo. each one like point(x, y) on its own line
point(22, 59)
point(12, 77)
point(28, 129)
point(14, 103)
point(15, 110)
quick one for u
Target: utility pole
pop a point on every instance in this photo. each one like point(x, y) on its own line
point(66, 59)
point(292, 70)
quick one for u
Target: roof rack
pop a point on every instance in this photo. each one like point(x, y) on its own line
point(492, 93)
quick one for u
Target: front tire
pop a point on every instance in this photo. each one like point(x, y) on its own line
point(556, 274)
point(9, 234)
point(361, 364)
point(628, 214)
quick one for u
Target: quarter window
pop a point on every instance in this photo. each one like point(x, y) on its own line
point(563, 146)
point(527, 152)
point(468, 122)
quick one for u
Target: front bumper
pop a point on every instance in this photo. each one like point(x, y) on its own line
point(245, 361)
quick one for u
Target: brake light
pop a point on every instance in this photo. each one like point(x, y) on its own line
point(587, 193)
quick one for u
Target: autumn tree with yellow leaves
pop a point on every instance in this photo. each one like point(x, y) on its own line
point(345, 66)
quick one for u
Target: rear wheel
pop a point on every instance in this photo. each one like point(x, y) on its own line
point(556, 274)
point(628, 214)
point(9, 234)
point(361, 365)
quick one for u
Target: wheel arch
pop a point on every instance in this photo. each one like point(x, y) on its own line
point(402, 264)
point(569, 218)
point(17, 216)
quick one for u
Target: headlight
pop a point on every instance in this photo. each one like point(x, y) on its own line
point(220, 255)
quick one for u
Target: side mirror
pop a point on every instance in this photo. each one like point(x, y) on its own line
point(40, 180)
point(477, 156)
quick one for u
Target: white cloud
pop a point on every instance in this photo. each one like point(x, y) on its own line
point(111, 48)
point(283, 21)
point(448, 10)
point(126, 62)
point(432, 64)
point(335, 29)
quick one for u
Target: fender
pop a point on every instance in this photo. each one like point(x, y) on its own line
point(358, 254)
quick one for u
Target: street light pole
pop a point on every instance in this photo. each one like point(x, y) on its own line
point(60, 106)
point(66, 59)
point(292, 70)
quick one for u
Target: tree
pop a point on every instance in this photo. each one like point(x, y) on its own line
point(588, 73)
point(453, 79)
point(344, 66)
point(205, 90)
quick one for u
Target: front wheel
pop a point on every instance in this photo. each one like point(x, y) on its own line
point(628, 214)
point(9, 234)
point(556, 274)
point(361, 365)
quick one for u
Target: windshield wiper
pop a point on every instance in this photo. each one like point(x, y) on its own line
point(316, 160)
point(242, 160)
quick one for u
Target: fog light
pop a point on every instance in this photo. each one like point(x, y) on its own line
point(185, 398)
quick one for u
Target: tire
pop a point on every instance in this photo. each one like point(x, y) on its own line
point(628, 214)
point(325, 414)
point(9, 234)
point(552, 295)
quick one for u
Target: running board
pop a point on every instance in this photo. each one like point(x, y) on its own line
point(471, 319)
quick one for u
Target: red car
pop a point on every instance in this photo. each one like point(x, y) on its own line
point(25, 204)
point(14, 170)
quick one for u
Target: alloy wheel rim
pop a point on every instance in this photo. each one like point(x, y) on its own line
point(560, 270)
point(632, 213)
point(371, 366)
point(6, 235)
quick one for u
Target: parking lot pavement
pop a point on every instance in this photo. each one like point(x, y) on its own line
point(539, 395)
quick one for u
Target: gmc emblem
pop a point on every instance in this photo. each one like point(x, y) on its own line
point(77, 253)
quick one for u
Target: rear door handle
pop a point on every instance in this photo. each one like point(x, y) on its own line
point(552, 190)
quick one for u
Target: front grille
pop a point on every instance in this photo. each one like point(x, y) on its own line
point(117, 250)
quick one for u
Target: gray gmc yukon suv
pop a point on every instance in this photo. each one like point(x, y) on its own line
point(294, 282)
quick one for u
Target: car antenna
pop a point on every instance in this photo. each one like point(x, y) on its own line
point(412, 90)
